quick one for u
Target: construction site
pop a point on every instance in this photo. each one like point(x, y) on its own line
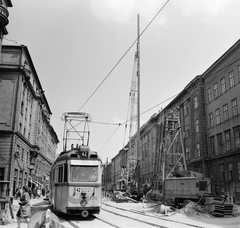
point(167, 159)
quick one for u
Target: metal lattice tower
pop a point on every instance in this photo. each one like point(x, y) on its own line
point(134, 133)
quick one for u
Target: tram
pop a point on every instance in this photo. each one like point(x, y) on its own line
point(76, 175)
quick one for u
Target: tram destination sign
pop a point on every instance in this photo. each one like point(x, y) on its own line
point(84, 189)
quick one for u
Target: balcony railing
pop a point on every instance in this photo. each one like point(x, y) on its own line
point(3, 17)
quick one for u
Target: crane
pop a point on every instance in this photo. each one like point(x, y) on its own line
point(134, 129)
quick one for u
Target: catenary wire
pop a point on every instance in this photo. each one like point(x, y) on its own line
point(123, 56)
point(140, 114)
point(109, 138)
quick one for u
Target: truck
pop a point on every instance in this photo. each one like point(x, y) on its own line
point(179, 191)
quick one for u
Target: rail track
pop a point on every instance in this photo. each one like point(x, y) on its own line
point(116, 217)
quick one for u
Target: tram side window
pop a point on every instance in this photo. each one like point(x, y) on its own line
point(65, 173)
point(60, 174)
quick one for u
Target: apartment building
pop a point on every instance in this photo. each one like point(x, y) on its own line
point(28, 142)
point(222, 81)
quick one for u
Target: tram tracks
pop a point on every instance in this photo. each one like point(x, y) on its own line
point(146, 218)
point(112, 216)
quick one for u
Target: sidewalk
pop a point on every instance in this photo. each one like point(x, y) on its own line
point(36, 205)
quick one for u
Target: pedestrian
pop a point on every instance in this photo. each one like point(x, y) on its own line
point(18, 193)
point(24, 210)
point(34, 192)
point(43, 191)
point(30, 193)
point(38, 193)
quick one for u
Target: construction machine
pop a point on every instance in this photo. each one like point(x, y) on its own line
point(173, 184)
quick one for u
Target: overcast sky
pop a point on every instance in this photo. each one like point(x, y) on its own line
point(74, 45)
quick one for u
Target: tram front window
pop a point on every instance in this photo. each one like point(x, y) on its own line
point(84, 173)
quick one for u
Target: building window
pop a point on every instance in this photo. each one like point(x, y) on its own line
point(212, 148)
point(218, 119)
point(197, 125)
point(20, 178)
point(20, 127)
point(234, 107)
point(228, 140)
point(214, 170)
point(188, 154)
point(229, 172)
point(209, 95)
point(187, 131)
point(195, 102)
point(22, 154)
point(22, 107)
point(198, 151)
point(186, 109)
point(225, 112)
point(221, 170)
point(231, 79)
point(215, 90)
point(238, 170)
point(223, 85)
point(145, 146)
point(220, 143)
point(2, 171)
point(238, 71)
point(237, 136)
point(211, 120)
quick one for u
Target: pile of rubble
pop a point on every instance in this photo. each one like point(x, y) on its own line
point(192, 209)
point(212, 207)
point(121, 197)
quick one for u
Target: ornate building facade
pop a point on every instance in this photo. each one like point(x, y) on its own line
point(28, 142)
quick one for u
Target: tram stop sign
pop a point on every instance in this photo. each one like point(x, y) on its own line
point(42, 219)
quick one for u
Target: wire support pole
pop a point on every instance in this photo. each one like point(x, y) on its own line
point(138, 103)
point(138, 77)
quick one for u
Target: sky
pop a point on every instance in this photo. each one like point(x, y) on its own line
point(83, 52)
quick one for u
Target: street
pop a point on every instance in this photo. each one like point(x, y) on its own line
point(128, 214)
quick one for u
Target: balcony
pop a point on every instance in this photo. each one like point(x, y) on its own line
point(3, 17)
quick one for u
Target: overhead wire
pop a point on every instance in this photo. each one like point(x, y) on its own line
point(117, 65)
point(125, 53)
point(109, 137)
point(13, 41)
point(123, 56)
point(119, 124)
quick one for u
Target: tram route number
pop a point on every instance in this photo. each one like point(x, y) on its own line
point(84, 190)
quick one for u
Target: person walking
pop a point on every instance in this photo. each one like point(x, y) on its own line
point(24, 210)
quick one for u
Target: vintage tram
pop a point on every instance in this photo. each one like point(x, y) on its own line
point(76, 175)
